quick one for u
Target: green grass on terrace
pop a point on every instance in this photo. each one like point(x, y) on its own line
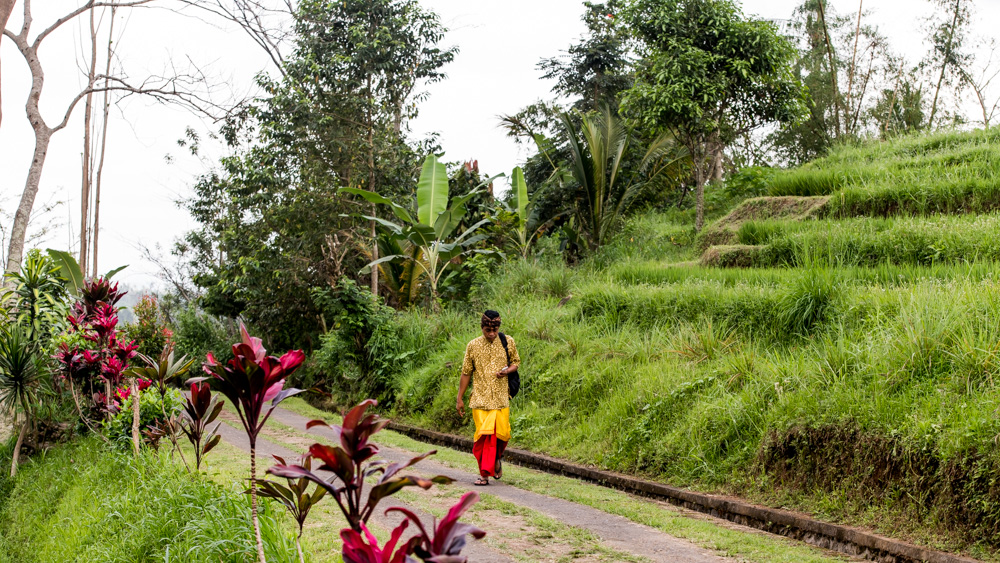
point(938, 239)
point(952, 172)
point(86, 502)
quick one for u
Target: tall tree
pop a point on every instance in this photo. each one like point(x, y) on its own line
point(811, 137)
point(377, 53)
point(832, 57)
point(337, 117)
point(872, 68)
point(709, 76)
point(87, 162)
point(949, 35)
point(596, 70)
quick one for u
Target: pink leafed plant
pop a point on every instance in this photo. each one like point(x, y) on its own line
point(249, 380)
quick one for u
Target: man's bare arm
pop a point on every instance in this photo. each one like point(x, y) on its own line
point(463, 384)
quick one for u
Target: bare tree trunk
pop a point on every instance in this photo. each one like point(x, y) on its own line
point(861, 93)
point(253, 503)
point(17, 447)
point(104, 144)
point(892, 102)
point(15, 248)
point(716, 175)
point(371, 186)
point(854, 62)
point(699, 184)
point(298, 546)
point(6, 7)
point(944, 64)
point(87, 164)
point(833, 67)
point(135, 417)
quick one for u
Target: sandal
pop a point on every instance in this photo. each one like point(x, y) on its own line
point(498, 472)
point(482, 482)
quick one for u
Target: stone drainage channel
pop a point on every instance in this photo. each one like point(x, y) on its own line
point(850, 541)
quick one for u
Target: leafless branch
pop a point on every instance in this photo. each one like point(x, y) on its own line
point(82, 9)
point(252, 16)
point(172, 274)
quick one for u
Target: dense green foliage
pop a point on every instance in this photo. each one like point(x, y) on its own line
point(358, 357)
point(85, 502)
point(271, 225)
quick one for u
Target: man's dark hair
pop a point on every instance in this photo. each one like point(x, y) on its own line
point(491, 319)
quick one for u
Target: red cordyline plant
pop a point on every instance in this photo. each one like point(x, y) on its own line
point(295, 497)
point(200, 410)
point(103, 362)
point(444, 546)
point(351, 462)
point(249, 380)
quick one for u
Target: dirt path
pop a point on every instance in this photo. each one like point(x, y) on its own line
point(614, 532)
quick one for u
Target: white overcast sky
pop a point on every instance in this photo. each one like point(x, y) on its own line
point(500, 42)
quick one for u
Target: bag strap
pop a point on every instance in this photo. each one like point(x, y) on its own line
point(503, 340)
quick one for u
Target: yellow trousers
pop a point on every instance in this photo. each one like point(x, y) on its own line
point(490, 422)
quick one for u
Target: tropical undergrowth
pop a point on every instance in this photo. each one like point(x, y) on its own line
point(85, 501)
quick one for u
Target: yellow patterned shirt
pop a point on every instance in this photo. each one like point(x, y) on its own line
point(483, 359)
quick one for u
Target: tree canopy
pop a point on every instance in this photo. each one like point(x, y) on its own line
point(708, 74)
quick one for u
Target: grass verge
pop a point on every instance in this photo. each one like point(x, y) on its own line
point(84, 502)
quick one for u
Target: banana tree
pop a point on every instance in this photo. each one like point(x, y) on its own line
point(432, 232)
point(528, 224)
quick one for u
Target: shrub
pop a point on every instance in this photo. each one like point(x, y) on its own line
point(748, 182)
point(118, 428)
point(197, 333)
point(360, 354)
point(149, 331)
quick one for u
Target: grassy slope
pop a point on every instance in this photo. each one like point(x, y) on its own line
point(863, 395)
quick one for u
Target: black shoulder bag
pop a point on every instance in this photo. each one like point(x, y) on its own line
point(513, 378)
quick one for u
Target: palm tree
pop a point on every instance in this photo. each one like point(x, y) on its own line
point(608, 186)
point(21, 369)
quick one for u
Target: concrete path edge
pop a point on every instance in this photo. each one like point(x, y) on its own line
point(850, 541)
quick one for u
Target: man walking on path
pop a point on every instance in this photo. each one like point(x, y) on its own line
point(488, 360)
